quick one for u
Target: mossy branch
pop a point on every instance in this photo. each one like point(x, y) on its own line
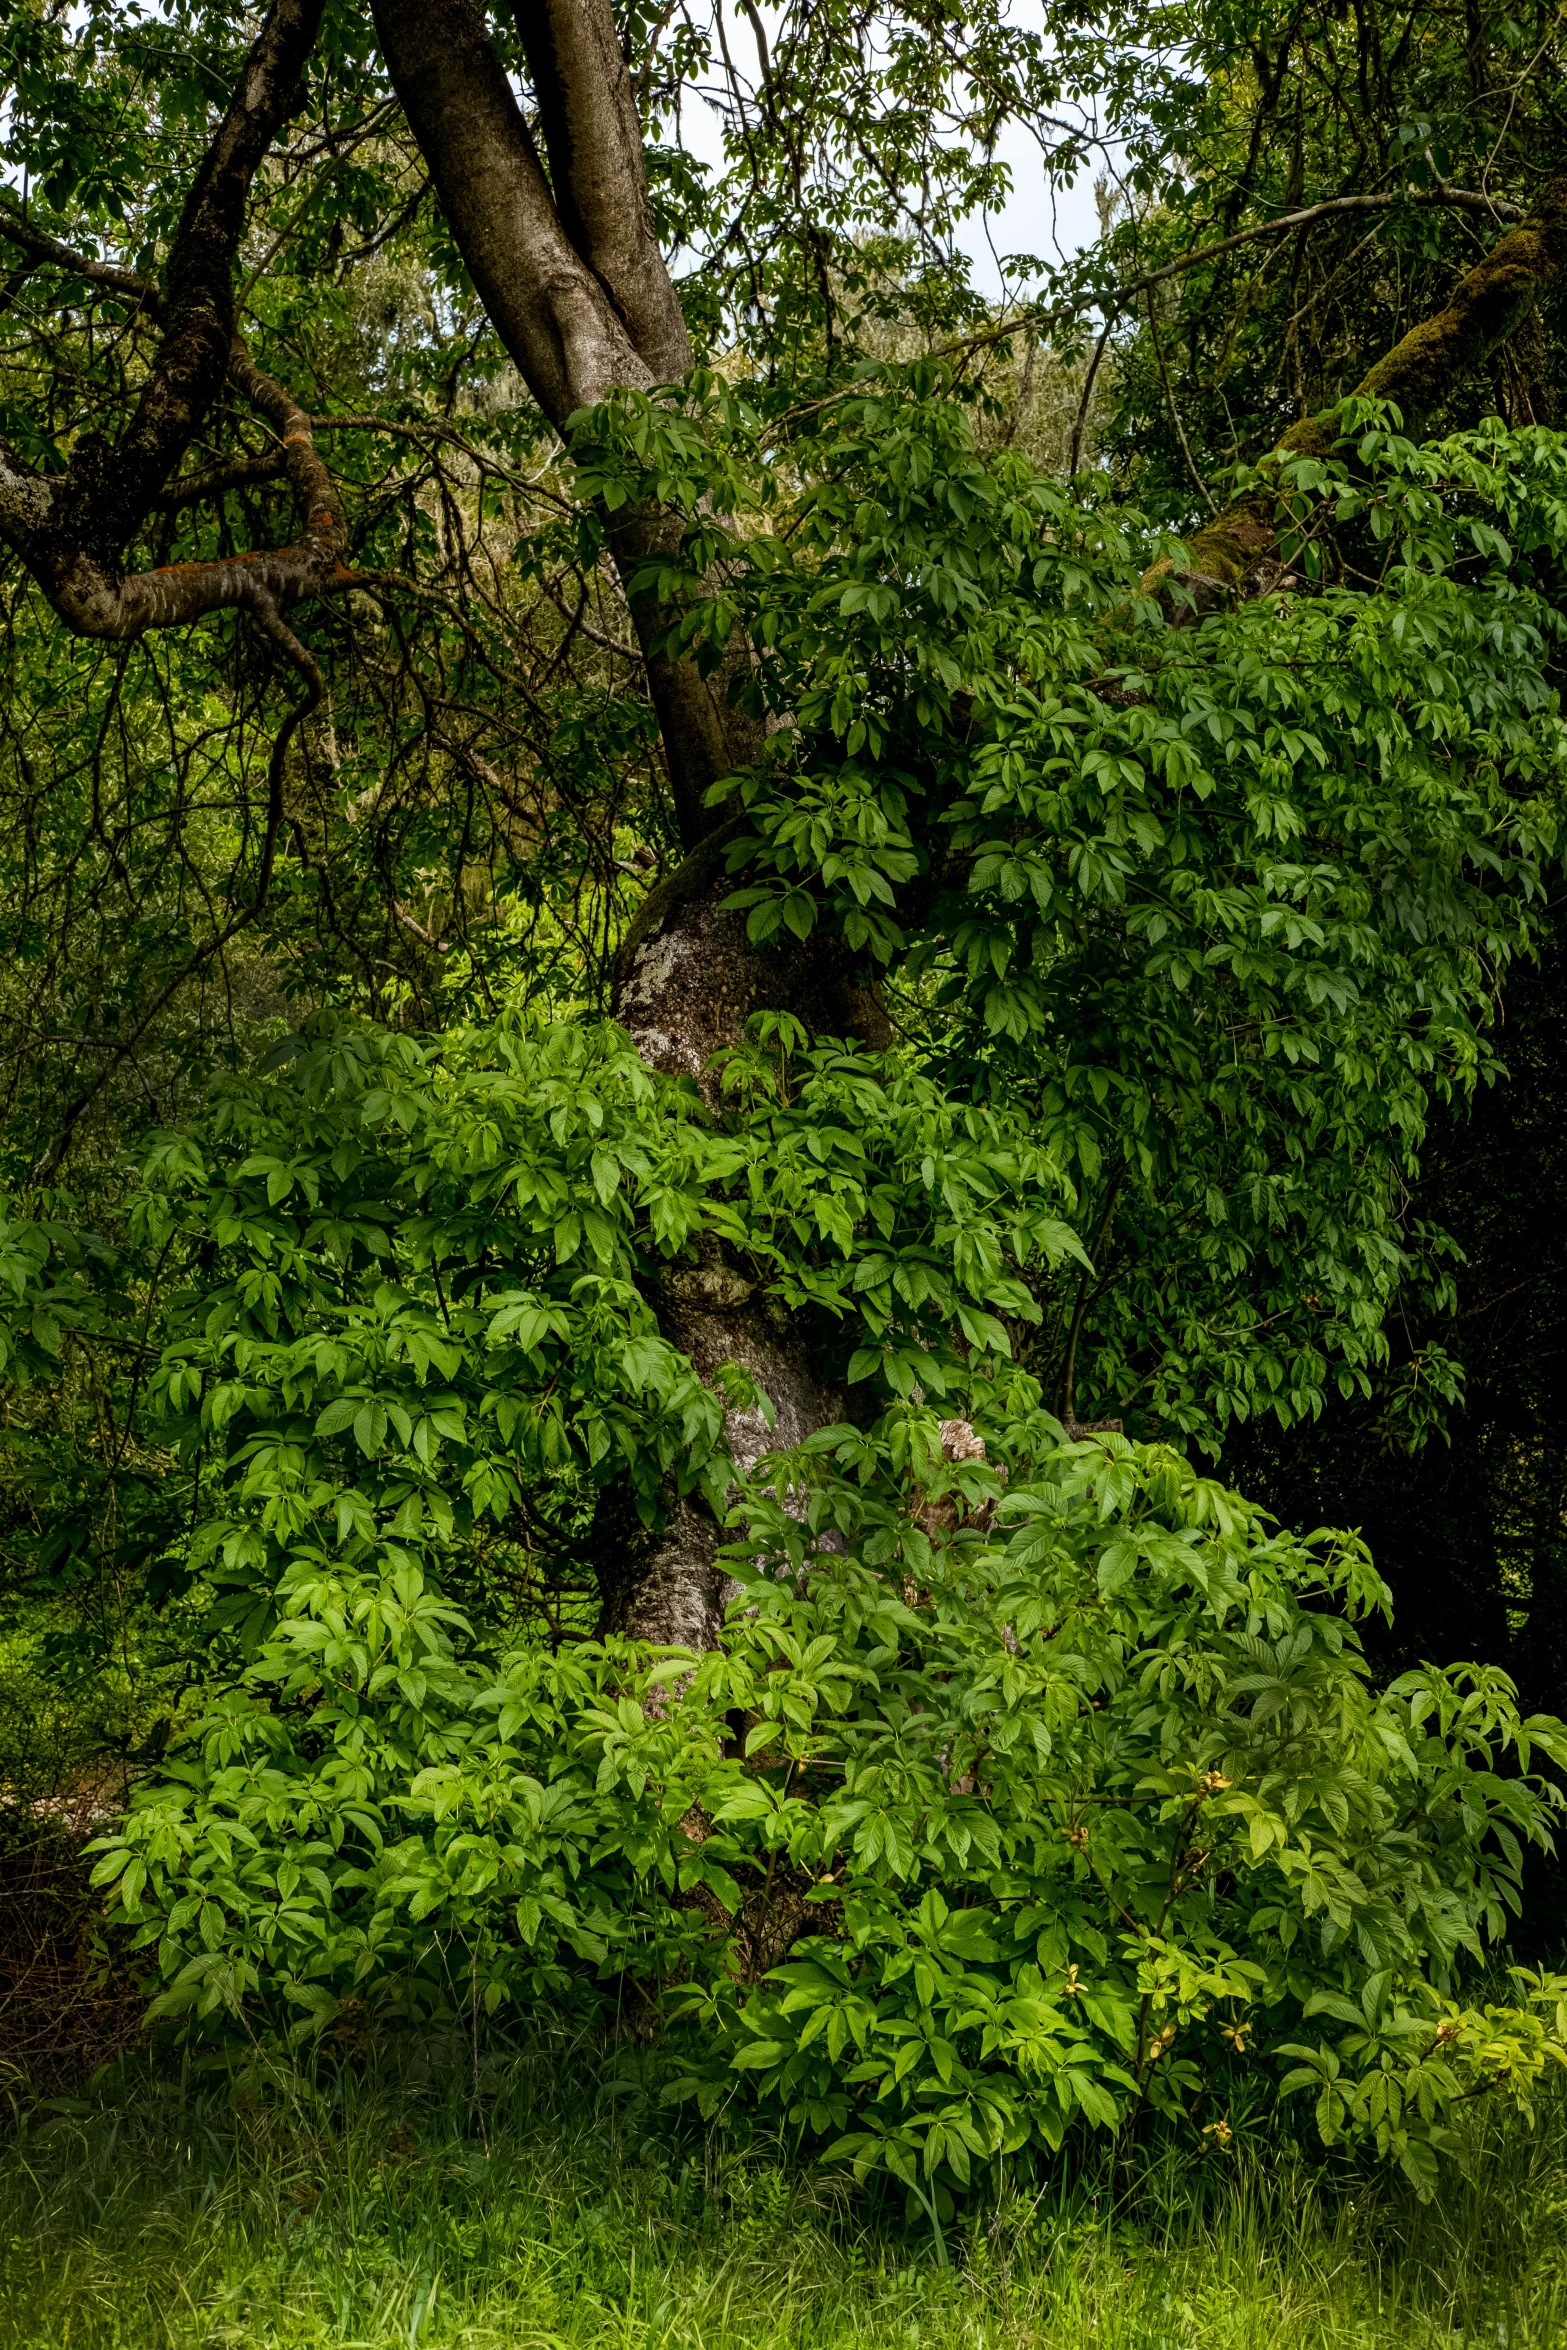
point(1236, 554)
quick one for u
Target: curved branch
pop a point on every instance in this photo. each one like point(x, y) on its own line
point(72, 531)
point(98, 601)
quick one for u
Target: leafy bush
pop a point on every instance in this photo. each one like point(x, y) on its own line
point(1221, 906)
point(418, 1320)
point(1023, 1796)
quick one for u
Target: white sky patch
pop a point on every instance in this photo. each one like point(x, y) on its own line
point(1046, 219)
point(1051, 221)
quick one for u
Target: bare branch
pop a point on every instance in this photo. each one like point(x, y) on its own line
point(216, 481)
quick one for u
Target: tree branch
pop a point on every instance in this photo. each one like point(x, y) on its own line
point(1115, 299)
point(106, 498)
point(72, 533)
point(48, 252)
point(97, 600)
point(1236, 553)
point(1442, 198)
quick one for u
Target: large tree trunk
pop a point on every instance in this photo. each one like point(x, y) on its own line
point(572, 278)
point(690, 980)
point(563, 253)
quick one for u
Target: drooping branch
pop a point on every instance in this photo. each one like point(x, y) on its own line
point(1236, 553)
point(72, 531)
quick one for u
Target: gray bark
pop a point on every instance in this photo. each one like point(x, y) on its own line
point(690, 981)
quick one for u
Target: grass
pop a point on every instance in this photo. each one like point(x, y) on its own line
point(276, 2213)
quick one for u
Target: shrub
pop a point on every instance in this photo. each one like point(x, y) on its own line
point(1024, 1796)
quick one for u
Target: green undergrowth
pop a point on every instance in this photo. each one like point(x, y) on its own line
point(562, 2207)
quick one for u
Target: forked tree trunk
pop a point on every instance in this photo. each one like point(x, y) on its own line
point(562, 250)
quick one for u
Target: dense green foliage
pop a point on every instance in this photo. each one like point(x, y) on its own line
point(1092, 1807)
point(431, 1313)
point(1469, 1531)
point(1037, 1791)
point(1217, 906)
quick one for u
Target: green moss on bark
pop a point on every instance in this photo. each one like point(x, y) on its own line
point(1236, 553)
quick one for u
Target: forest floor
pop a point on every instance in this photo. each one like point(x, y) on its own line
point(275, 2212)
